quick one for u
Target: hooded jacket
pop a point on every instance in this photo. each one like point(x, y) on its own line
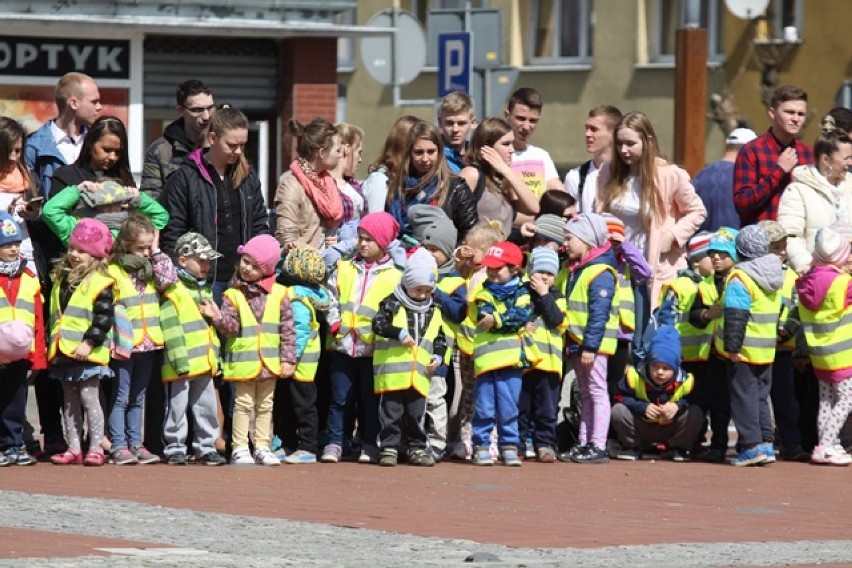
point(164, 156)
point(768, 273)
point(812, 288)
point(601, 296)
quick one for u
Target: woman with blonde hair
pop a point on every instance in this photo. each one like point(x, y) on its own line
point(352, 146)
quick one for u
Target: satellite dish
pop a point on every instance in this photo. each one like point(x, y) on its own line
point(747, 9)
point(396, 58)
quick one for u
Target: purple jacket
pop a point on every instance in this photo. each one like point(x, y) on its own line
point(640, 271)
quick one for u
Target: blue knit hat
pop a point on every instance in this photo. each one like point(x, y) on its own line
point(544, 259)
point(665, 347)
point(10, 231)
point(724, 240)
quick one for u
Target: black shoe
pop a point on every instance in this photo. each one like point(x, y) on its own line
point(591, 454)
point(681, 455)
point(177, 459)
point(575, 450)
point(211, 458)
point(796, 454)
point(713, 455)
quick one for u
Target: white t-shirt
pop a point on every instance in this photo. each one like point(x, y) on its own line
point(590, 187)
point(67, 146)
point(535, 166)
point(629, 210)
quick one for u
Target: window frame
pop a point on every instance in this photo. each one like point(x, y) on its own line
point(346, 45)
point(655, 32)
point(585, 36)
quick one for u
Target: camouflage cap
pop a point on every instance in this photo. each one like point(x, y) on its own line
point(195, 244)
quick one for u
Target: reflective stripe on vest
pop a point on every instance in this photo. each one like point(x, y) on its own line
point(578, 310)
point(762, 328)
point(789, 302)
point(200, 340)
point(143, 310)
point(493, 350)
point(67, 327)
point(398, 368)
point(828, 330)
point(626, 301)
point(549, 344)
point(306, 366)
point(23, 310)
point(259, 344)
point(357, 316)
point(467, 328)
point(695, 341)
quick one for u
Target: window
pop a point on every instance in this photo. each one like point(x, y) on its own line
point(421, 8)
point(560, 32)
point(784, 14)
point(345, 45)
point(666, 16)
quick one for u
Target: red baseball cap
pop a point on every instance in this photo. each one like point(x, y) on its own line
point(502, 254)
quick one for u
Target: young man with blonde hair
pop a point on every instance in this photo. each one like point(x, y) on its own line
point(456, 119)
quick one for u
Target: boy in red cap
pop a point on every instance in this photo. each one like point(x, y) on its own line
point(501, 308)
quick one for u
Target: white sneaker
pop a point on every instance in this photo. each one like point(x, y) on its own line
point(241, 457)
point(461, 451)
point(262, 456)
point(829, 455)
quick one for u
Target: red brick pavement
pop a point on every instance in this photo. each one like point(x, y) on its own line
point(18, 543)
point(537, 505)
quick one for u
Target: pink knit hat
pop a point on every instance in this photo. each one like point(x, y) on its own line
point(381, 226)
point(16, 340)
point(91, 236)
point(264, 250)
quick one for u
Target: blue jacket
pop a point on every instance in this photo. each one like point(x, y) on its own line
point(601, 294)
point(715, 186)
point(454, 160)
point(43, 157)
point(302, 315)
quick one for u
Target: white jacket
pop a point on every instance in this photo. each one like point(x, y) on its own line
point(807, 205)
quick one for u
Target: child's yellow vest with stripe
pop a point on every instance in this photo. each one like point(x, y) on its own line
point(68, 326)
point(695, 341)
point(24, 309)
point(640, 388)
point(788, 292)
point(200, 338)
point(762, 328)
point(493, 351)
point(308, 363)
point(397, 367)
point(259, 343)
point(626, 301)
point(578, 310)
point(143, 310)
point(358, 317)
point(467, 328)
point(550, 343)
point(828, 330)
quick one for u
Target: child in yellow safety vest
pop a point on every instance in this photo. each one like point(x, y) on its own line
point(825, 307)
point(410, 345)
point(81, 319)
point(751, 305)
point(140, 270)
point(257, 318)
point(191, 356)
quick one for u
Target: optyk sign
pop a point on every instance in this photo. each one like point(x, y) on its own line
point(52, 57)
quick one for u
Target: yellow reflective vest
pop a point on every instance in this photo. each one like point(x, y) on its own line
point(640, 388)
point(828, 330)
point(306, 366)
point(695, 341)
point(467, 329)
point(259, 343)
point(550, 342)
point(789, 301)
point(24, 309)
point(625, 301)
point(143, 310)
point(398, 368)
point(761, 331)
point(448, 285)
point(578, 309)
point(201, 341)
point(68, 326)
point(493, 350)
point(359, 304)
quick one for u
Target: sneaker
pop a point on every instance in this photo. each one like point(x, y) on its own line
point(176, 459)
point(262, 456)
point(529, 449)
point(241, 457)
point(301, 456)
point(510, 457)
point(713, 455)
point(331, 454)
point(122, 456)
point(369, 454)
point(68, 457)
point(768, 449)
point(213, 458)
point(627, 454)
point(681, 455)
point(20, 456)
point(591, 454)
point(4, 461)
point(494, 452)
point(482, 456)
point(795, 454)
point(276, 445)
point(388, 457)
point(143, 456)
point(545, 454)
point(461, 451)
point(828, 455)
point(749, 457)
point(421, 457)
point(95, 457)
point(437, 454)
point(576, 449)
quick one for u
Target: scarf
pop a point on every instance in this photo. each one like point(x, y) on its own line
point(400, 203)
point(113, 221)
point(14, 182)
point(190, 280)
point(411, 305)
point(10, 268)
point(321, 189)
point(140, 267)
point(503, 292)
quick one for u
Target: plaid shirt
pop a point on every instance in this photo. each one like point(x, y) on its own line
point(759, 180)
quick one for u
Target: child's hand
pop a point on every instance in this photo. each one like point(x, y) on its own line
point(587, 359)
point(530, 328)
point(30, 210)
point(668, 411)
point(287, 370)
point(155, 244)
point(432, 368)
point(528, 230)
point(83, 351)
point(486, 323)
point(330, 241)
point(713, 312)
point(209, 309)
point(652, 412)
point(616, 239)
point(734, 357)
point(408, 341)
point(537, 284)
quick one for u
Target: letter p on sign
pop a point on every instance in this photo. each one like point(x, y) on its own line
point(454, 62)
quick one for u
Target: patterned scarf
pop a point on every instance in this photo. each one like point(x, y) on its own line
point(10, 268)
point(400, 204)
point(321, 190)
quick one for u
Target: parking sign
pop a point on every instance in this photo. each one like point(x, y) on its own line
point(454, 62)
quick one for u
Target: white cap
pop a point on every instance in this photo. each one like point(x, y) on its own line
point(740, 136)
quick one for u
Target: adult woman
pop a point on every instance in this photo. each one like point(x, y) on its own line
point(352, 145)
point(499, 192)
point(308, 204)
point(103, 155)
point(423, 178)
point(655, 199)
point(375, 187)
point(820, 195)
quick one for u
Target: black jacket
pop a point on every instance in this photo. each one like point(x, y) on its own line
point(460, 206)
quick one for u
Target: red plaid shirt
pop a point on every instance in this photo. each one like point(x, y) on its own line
point(759, 180)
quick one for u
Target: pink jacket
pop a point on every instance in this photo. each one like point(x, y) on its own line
point(812, 287)
point(683, 212)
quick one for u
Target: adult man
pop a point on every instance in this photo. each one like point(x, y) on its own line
point(715, 184)
point(455, 119)
point(581, 181)
point(534, 164)
point(763, 166)
point(58, 141)
point(195, 106)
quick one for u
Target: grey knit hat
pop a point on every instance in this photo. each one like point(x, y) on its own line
point(432, 227)
point(752, 242)
point(589, 228)
point(420, 270)
point(550, 227)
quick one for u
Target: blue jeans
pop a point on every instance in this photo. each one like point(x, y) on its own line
point(350, 376)
point(495, 400)
point(642, 309)
point(128, 397)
